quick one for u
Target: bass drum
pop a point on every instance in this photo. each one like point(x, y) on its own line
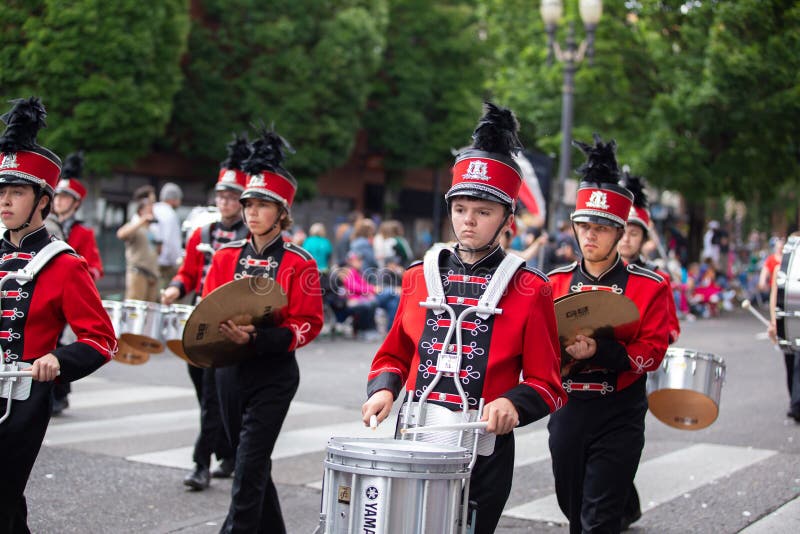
point(787, 312)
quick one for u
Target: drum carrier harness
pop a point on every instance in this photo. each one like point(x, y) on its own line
point(15, 377)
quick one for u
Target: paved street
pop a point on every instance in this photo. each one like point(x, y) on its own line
point(115, 460)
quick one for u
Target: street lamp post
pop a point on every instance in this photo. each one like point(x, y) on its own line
point(571, 57)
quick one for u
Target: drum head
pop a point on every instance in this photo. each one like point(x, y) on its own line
point(251, 300)
point(682, 408)
point(143, 343)
point(130, 355)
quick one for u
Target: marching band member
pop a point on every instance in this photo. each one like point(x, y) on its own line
point(35, 312)
point(521, 341)
point(255, 394)
point(596, 440)
point(69, 195)
point(200, 247)
point(630, 248)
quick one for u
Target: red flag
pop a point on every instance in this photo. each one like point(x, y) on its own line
point(530, 193)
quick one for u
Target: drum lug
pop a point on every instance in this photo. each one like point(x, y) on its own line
point(321, 527)
point(694, 367)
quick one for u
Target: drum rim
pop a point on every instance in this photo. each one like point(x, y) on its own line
point(708, 356)
point(367, 447)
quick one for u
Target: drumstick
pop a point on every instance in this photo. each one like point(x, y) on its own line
point(373, 422)
point(480, 425)
point(746, 305)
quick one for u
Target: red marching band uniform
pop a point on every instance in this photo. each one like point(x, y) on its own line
point(255, 394)
point(34, 314)
point(597, 439)
point(514, 354)
point(77, 235)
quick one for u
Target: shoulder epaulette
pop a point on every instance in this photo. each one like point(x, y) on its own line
point(537, 272)
point(564, 269)
point(641, 271)
point(300, 251)
point(416, 263)
point(239, 243)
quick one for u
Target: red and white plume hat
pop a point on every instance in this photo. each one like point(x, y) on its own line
point(22, 160)
point(71, 174)
point(266, 177)
point(600, 199)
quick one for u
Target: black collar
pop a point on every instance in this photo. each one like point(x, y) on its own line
point(32, 241)
point(487, 263)
point(617, 266)
point(275, 243)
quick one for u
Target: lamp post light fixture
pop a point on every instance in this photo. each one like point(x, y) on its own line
point(571, 57)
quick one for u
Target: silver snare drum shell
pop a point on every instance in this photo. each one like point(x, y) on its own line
point(175, 317)
point(142, 326)
point(685, 391)
point(115, 312)
point(787, 280)
point(392, 486)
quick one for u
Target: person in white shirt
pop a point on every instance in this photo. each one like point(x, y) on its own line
point(168, 230)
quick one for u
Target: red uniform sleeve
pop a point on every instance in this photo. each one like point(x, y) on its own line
point(82, 240)
point(392, 362)
point(541, 362)
point(646, 350)
point(189, 275)
point(83, 310)
point(303, 312)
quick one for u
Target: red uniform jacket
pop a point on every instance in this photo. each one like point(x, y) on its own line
point(34, 314)
point(196, 262)
point(522, 341)
point(294, 269)
point(674, 323)
point(619, 362)
point(81, 239)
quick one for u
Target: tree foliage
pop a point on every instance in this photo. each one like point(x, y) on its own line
point(106, 71)
point(427, 96)
point(304, 65)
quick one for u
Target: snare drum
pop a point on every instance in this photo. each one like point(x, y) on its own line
point(115, 313)
point(388, 486)
point(685, 391)
point(174, 322)
point(142, 326)
point(787, 280)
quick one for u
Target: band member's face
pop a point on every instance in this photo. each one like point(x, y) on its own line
point(632, 240)
point(62, 203)
point(16, 203)
point(227, 203)
point(260, 215)
point(597, 241)
point(476, 221)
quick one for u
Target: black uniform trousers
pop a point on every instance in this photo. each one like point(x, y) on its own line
point(212, 438)
point(595, 445)
point(490, 484)
point(255, 396)
point(21, 438)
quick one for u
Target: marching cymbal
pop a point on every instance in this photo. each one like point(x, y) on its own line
point(129, 355)
point(595, 313)
point(176, 347)
point(251, 300)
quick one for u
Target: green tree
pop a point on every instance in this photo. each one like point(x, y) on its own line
point(304, 65)
point(427, 97)
point(107, 72)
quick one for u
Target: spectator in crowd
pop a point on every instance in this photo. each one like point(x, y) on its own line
point(360, 295)
point(169, 230)
point(141, 255)
point(298, 236)
point(319, 246)
point(394, 243)
point(361, 244)
point(711, 243)
point(343, 236)
point(771, 263)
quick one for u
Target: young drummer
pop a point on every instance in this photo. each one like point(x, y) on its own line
point(255, 394)
point(596, 440)
point(520, 341)
point(200, 247)
point(35, 312)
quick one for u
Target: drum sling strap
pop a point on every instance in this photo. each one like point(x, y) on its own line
point(15, 380)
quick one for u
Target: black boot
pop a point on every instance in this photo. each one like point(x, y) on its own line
point(199, 479)
point(225, 469)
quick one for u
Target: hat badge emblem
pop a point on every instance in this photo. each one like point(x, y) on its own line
point(477, 171)
point(63, 183)
point(9, 161)
point(257, 180)
point(229, 176)
point(597, 200)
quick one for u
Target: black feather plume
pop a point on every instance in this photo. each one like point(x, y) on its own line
point(635, 184)
point(73, 166)
point(22, 125)
point(601, 161)
point(497, 131)
point(268, 152)
point(238, 151)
